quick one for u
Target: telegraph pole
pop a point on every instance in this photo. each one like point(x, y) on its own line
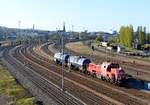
point(68, 49)
point(62, 67)
point(19, 31)
point(62, 50)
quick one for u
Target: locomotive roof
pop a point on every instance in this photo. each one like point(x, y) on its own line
point(106, 64)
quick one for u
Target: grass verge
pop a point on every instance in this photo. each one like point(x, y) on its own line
point(10, 88)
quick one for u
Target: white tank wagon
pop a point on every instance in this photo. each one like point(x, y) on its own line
point(78, 62)
point(61, 57)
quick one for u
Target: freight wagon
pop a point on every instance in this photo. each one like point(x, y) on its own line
point(61, 57)
point(78, 62)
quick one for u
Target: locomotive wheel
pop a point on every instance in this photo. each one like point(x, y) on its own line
point(108, 79)
point(57, 62)
point(88, 73)
point(102, 78)
point(94, 74)
point(112, 80)
point(84, 70)
point(72, 67)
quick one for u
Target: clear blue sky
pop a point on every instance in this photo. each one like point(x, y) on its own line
point(93, 15)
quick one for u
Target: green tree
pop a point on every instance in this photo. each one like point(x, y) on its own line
point(141, 35)
point(46, 37)
point(84, 35)
point(19, 39)
point(130, 36)
point(147, 37)
point(126, 35)
point(98, 39)
point(122, 36)
point(113, 40)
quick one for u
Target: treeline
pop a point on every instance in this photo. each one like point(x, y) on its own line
point(128, 37)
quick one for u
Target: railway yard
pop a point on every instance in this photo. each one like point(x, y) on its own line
point(138, 68)
point(35, 64)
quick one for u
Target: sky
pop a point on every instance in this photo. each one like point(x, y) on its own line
point(91, 15)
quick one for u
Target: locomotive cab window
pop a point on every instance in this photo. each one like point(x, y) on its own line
point(109, 68)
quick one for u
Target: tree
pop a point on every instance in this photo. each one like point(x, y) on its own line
point(112, 40)
point(130, 36)
point(19, 39)
point(126, 36)
point(98, 39)
point(46, 37)
point(148, 38)
point(141, 35)
point(148, 35)
point(84, 35)
point(121, 35)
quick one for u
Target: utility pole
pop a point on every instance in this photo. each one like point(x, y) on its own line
point(19, 24)
point(62, 50)
point(19, 31)
point(106, 54)
point(68, 49)
point(62, 67)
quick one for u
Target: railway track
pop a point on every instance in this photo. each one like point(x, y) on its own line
point(138, 71)
point(73, 87)
point(45, 48)
point(109, 92)
point(135, 70)
point(131, 65)
point(45, 85)
point(48, 50)
point(131, 59)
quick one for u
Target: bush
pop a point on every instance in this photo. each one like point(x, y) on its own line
point(16, 92)
point(10, 88)
point(99, 39)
